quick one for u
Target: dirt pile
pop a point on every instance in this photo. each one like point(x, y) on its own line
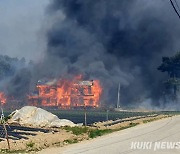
point(37, 117)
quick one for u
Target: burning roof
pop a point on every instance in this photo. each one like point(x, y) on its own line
point(66, 93)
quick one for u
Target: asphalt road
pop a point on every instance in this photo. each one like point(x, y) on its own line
point(158, 137)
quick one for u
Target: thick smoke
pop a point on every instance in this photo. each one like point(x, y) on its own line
point(114, 41)
point(117, 41)
point(15, 77)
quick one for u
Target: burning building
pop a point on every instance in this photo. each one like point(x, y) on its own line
point(64, 93)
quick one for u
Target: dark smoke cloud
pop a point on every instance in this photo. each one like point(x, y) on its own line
point(15, 77)
point(114, 41)
point(19, 84)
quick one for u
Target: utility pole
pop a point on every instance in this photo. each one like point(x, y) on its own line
point(85, 115)
point(107, 115)
point(4, 126)
point(118, 99)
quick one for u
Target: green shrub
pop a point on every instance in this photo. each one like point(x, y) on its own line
point(71, 141)
point(76, 130)
point(133, 124)
point(96, 132)
point(12, 151)
point(150, 120)
point(125, 127)
point(30, 144)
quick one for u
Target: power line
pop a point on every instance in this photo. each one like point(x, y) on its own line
point(175, 8)
point(177, 5)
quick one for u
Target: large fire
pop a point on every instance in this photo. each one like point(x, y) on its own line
point(66, 93)
point(3, 98)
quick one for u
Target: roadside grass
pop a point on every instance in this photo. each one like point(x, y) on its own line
point(30, 144)
point(12, 151)
point(149, 120)
point(71, 141)
point(93, 133)
point(154, 119)
point(132, 124)
point(76, 130)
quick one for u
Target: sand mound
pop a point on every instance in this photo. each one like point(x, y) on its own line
point(37, 117)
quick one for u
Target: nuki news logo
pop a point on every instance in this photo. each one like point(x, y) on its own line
point(155, 145)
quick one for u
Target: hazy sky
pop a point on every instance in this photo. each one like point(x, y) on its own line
point(21, 22)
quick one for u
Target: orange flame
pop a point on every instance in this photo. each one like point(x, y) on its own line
point(68, 93)
point(3, 98)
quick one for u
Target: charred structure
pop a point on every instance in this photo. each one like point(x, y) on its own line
point(64, 93)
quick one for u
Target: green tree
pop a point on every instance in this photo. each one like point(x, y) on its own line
point(171, 65)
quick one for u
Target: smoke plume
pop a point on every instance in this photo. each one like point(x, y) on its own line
point(117, 41)
point(114, 41)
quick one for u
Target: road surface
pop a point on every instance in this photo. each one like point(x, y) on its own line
point(158, 137)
